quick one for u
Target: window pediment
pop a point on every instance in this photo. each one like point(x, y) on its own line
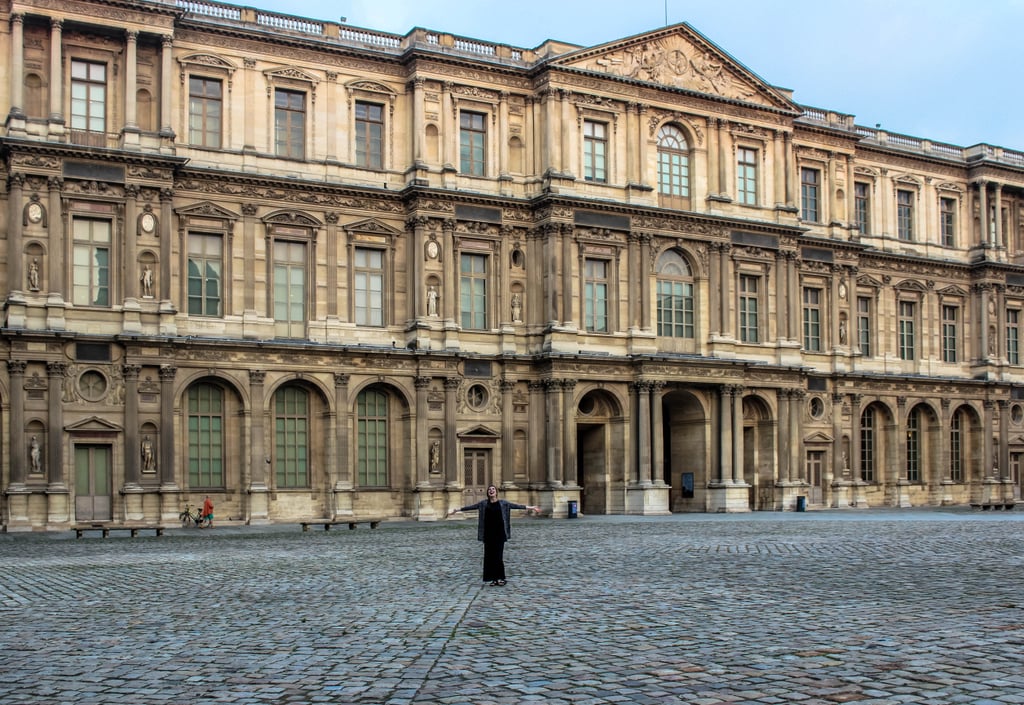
point(207, 209)
point(291, 218)
point(205, 62)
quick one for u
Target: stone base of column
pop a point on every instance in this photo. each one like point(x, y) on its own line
point(902, 495)
point(789, 494)
point(554, 501)
point(842, 494)
point(58, 505)
point(647, 499)
point(18, 518)
point(133, 494)
point(259, 505)
point(991, 492)
point(860, 497)
point(430, 505)
point(342, 500)
point(727, 497)
point(1008, 492)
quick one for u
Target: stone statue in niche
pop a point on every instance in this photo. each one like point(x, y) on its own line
point(435, 456)
point(517, 307)
point(35, 455)
point(146, 278)
point(842, 330)
point(148, 457)
point(33, 275)
point(432, 296)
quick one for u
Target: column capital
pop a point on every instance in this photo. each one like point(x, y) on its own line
point(257, 377)
point(56, 369)
point(16, 367)
point(341, 379)
point(167, 373)
point(131, 372)
point(421, 382)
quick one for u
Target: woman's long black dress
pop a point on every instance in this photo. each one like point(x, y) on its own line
point(494, 542)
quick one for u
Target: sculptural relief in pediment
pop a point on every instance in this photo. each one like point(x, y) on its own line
point(677, 60)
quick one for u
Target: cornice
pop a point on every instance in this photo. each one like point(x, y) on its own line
point(13, 145)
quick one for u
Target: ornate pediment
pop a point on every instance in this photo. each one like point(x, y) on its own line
point(679, 57)
point(817, 438)
point(373, 226)
point(206, 209)
point(94, 424)
point(290, 217)
point(480, 432)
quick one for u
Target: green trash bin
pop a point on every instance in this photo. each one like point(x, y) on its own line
point(801, 503)
point(574, 509)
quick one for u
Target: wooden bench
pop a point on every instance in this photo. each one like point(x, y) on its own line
point(993, 505)
point(105, 529)
point(328, 523)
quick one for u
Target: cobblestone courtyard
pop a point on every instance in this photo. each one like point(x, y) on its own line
point(869, 606)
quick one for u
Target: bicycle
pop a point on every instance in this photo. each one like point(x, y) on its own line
point(190, 517)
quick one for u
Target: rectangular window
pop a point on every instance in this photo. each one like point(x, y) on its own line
point(204, 275)
point(675, 309)
point(907, 342)
point(809, 195)
point(867, 447)
point(864, 325)
point(369, 135)
point(905, 215)
point(595, 295)
point(473, 291)
point(812, 320)
point(1012, 336)
point(90, 267)
point(204, 111)
point(913, 447)
point(289, 124)
point(746, 176)
point(472, 143)
point(595, 151)
point(88, 96)
point(749, 332)
point(947, 221)
point(862, 206)
point(369, 287)
point(289, 289)
point(950, 333)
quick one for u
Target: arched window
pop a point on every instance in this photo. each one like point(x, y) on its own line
point(956, 447)
point(675, 296)
point(291, 437)
point(372, 439)
point(673, 168)
point(867, 445)
point(205, 436)
point(914, 446)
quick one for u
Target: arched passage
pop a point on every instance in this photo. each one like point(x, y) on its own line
point(600, 452)
point(759, 453)
point(685, 437)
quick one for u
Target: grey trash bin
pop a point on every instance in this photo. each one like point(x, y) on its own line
point(574, 509)
point(801, 503)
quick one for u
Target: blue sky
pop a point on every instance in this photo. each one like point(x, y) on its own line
point(945, 70)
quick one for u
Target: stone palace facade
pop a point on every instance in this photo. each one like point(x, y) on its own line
point(320, 271)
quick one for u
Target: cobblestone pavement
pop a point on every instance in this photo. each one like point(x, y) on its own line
point(869, 606)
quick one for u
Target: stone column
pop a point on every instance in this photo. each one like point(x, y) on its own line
point(1002, 450)
point(166, 467)
point(715, 289)
point(449, 128)
point(17, 66)
point(453, 478)
point(714, 186)
point(725, 284)
point(508, 448)
point(641, 147)
point(657, 435)
point(132, 448)
point(899, 462)
point(131, 122)
point(634, 275)
point(55, 374)
point(259, 459)
point(536, 440)
point(737, 436)
point(131, 276)
point(166, 238)
point(15, 247)
point(794, 314)
point(781, 319)
point(166, 129)
point(790, 169)
point(55, 230)
point(567, 141)
point(566, 279)
point(552, 402)
point(56, 79)
point(16, 377)
point(643, 432)
point(779, 149)
point(450, 269)
point(631, 135)
point(725, 433)
point(249, 90)
point(855, 400)
point(503, 131)
point(418, 122)
point(783, 435)
point(997, 215)
point(343, 470)
point(796, 429)
point(568, 433)
point(988, 451)
point(645, 291)
point(422, 385)
point(985, 236)
point(724, 144)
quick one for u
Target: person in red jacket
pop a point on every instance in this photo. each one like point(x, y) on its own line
point(207, 513)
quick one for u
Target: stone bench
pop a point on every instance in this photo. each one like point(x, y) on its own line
point(328, 523)
point(105, 529)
